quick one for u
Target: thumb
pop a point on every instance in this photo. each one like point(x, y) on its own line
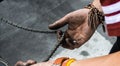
point(59, 23)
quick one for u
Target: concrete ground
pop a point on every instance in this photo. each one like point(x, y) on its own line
point(17, 44)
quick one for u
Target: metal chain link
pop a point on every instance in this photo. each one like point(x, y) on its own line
point(25, 28)
point(37, 31)
point(55, 48)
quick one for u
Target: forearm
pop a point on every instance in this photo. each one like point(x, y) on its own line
point(108, 60)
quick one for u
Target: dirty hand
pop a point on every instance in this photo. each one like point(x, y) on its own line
point(78, 31)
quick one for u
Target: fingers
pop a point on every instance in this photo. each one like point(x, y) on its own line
point(20, 63)
point(67, 41)
point(29, 62)
point(59, 35)
point(59, 23)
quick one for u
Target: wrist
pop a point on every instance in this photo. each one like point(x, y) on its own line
point(68, 62)
point(97, 4)
point(96, 15)
point(74, 63)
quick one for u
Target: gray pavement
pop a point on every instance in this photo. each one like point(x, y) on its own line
point(17, 44)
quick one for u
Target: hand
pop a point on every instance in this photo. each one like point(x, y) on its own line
point(78, 32)
point(29, 62)
point(48, 63)
point(34, 63)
